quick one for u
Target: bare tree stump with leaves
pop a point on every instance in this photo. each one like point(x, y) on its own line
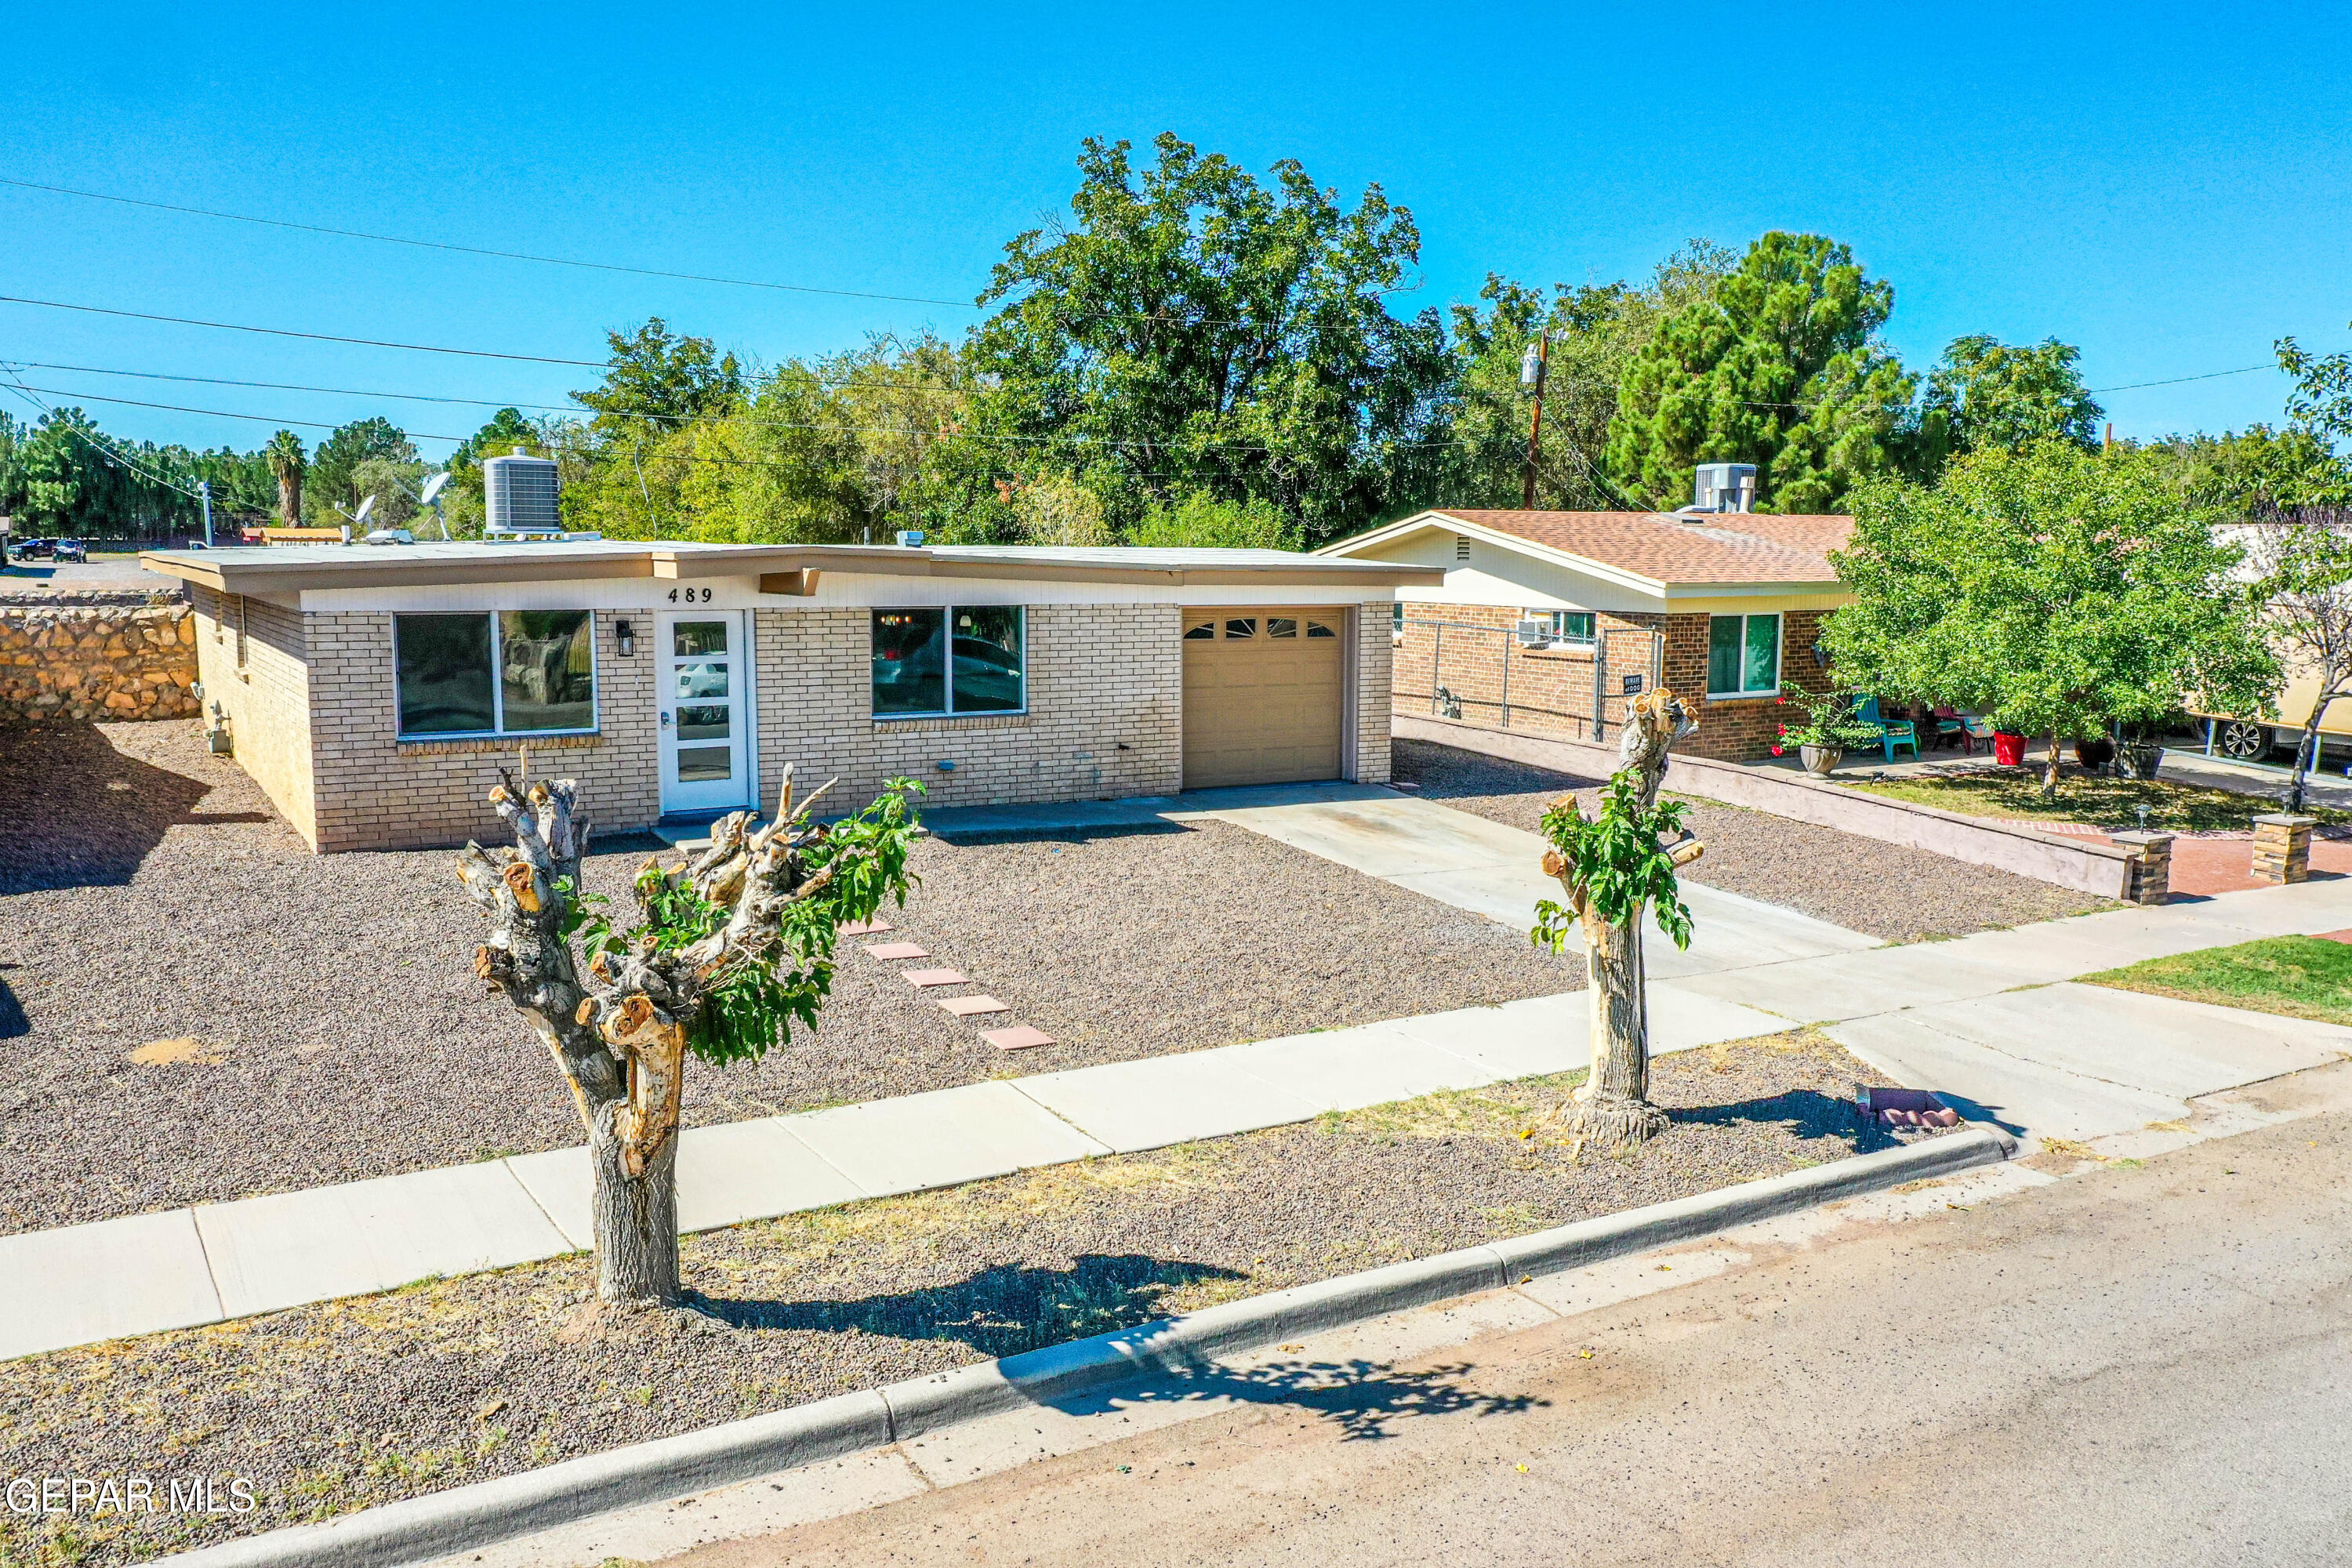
point(1612, 867)
point(730, 947)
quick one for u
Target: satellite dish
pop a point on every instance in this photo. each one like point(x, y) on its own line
point(434, 486)
point(366, 506)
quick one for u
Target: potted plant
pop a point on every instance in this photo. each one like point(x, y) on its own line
point(2141, 751)
point(1830, 728)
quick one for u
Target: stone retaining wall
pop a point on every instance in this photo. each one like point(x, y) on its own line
point(104, 660)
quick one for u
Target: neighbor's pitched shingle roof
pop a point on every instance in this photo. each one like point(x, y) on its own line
point(1708, 547)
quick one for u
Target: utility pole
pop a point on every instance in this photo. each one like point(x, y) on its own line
point(204, 494)
point(1532, 369)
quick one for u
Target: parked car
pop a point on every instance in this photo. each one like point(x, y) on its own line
point(68, 550)
point(35, 550)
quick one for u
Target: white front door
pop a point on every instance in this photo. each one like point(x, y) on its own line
point(700, 698)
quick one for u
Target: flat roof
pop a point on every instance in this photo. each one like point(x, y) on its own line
point(286, 568)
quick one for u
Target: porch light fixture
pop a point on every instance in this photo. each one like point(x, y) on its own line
point(625, 635)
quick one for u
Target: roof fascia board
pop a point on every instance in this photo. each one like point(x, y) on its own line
point(1400, 529)
point(1792, 588)
point(260, 577)
point(1607, 571)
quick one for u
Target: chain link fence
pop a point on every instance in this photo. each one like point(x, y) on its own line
point(1502, 679)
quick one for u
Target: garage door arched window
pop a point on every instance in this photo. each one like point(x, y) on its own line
point(939, 663)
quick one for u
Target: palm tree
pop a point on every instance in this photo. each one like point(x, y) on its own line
point(285, 461)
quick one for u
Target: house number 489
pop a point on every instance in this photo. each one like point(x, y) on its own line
point(693, 595)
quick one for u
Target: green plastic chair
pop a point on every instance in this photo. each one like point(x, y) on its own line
point(1899, 732)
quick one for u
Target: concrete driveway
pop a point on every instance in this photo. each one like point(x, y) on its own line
point(1433, 851)
point(1495, 870)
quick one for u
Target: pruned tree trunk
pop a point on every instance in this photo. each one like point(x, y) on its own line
point(2050, 771)
point(1612, 1107)
point(619, 1034)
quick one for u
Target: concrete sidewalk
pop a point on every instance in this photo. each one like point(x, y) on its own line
point(2068, 1061)
point(81, 1284)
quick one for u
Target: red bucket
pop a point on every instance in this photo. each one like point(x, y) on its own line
point(2009, 751)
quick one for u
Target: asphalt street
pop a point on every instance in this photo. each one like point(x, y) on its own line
point(2145, 1363)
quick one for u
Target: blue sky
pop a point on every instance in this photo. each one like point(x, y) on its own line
point(2170, 188)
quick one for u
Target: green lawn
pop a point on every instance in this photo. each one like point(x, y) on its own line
point(2107, 802)
point(2299, 976)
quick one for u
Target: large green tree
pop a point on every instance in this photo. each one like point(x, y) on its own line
point(1986, 394)
point(2054, 590)
point(656, 380)
point(1777, 365)
point(1192, 329)
point(331, 489)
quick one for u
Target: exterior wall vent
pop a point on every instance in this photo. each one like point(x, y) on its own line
point(519, 495)
point(1461, 547)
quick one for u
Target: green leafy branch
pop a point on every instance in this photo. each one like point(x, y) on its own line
point(1612, 864)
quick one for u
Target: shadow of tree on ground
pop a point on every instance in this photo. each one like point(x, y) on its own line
point(1005, 1311)
point(1000, 1311)
point(1806, 1113)
point(85, 814)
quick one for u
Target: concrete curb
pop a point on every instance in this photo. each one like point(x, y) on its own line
point(465, 1518)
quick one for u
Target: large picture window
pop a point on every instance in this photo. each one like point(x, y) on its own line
point(517, 672)
point(1743, 655)
point(964, 658)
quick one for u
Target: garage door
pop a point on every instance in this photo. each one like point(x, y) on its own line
point(1263, 694)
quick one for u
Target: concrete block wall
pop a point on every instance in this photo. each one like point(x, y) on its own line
point(1105, 719)
point(377, 792)
point(250, 655)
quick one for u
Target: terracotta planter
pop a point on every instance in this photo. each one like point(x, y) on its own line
point(1820, 760)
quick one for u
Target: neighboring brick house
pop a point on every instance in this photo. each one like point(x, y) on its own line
point(374, 691)
point(1551, 620)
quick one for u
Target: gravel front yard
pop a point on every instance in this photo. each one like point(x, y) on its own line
point(317, 1019)
point(329, 1408)
point(1884, 890)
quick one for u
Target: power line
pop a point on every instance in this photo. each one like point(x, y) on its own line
point(616, 266)
point(2175, 381)
point(479, 250)
point(287, 332)
point(696, 419)
point(101, 447)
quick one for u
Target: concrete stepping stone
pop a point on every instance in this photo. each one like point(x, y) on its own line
point(970, 1007)
point(1019, 1038)
point(864, 927)
point(895, 949)
point(935, 976)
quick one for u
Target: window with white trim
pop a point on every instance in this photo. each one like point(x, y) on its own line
point(1743, 655)
point(1565, 628)
point(511, 672)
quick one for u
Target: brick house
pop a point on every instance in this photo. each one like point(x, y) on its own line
point(1551, 620)
point(374, 691)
